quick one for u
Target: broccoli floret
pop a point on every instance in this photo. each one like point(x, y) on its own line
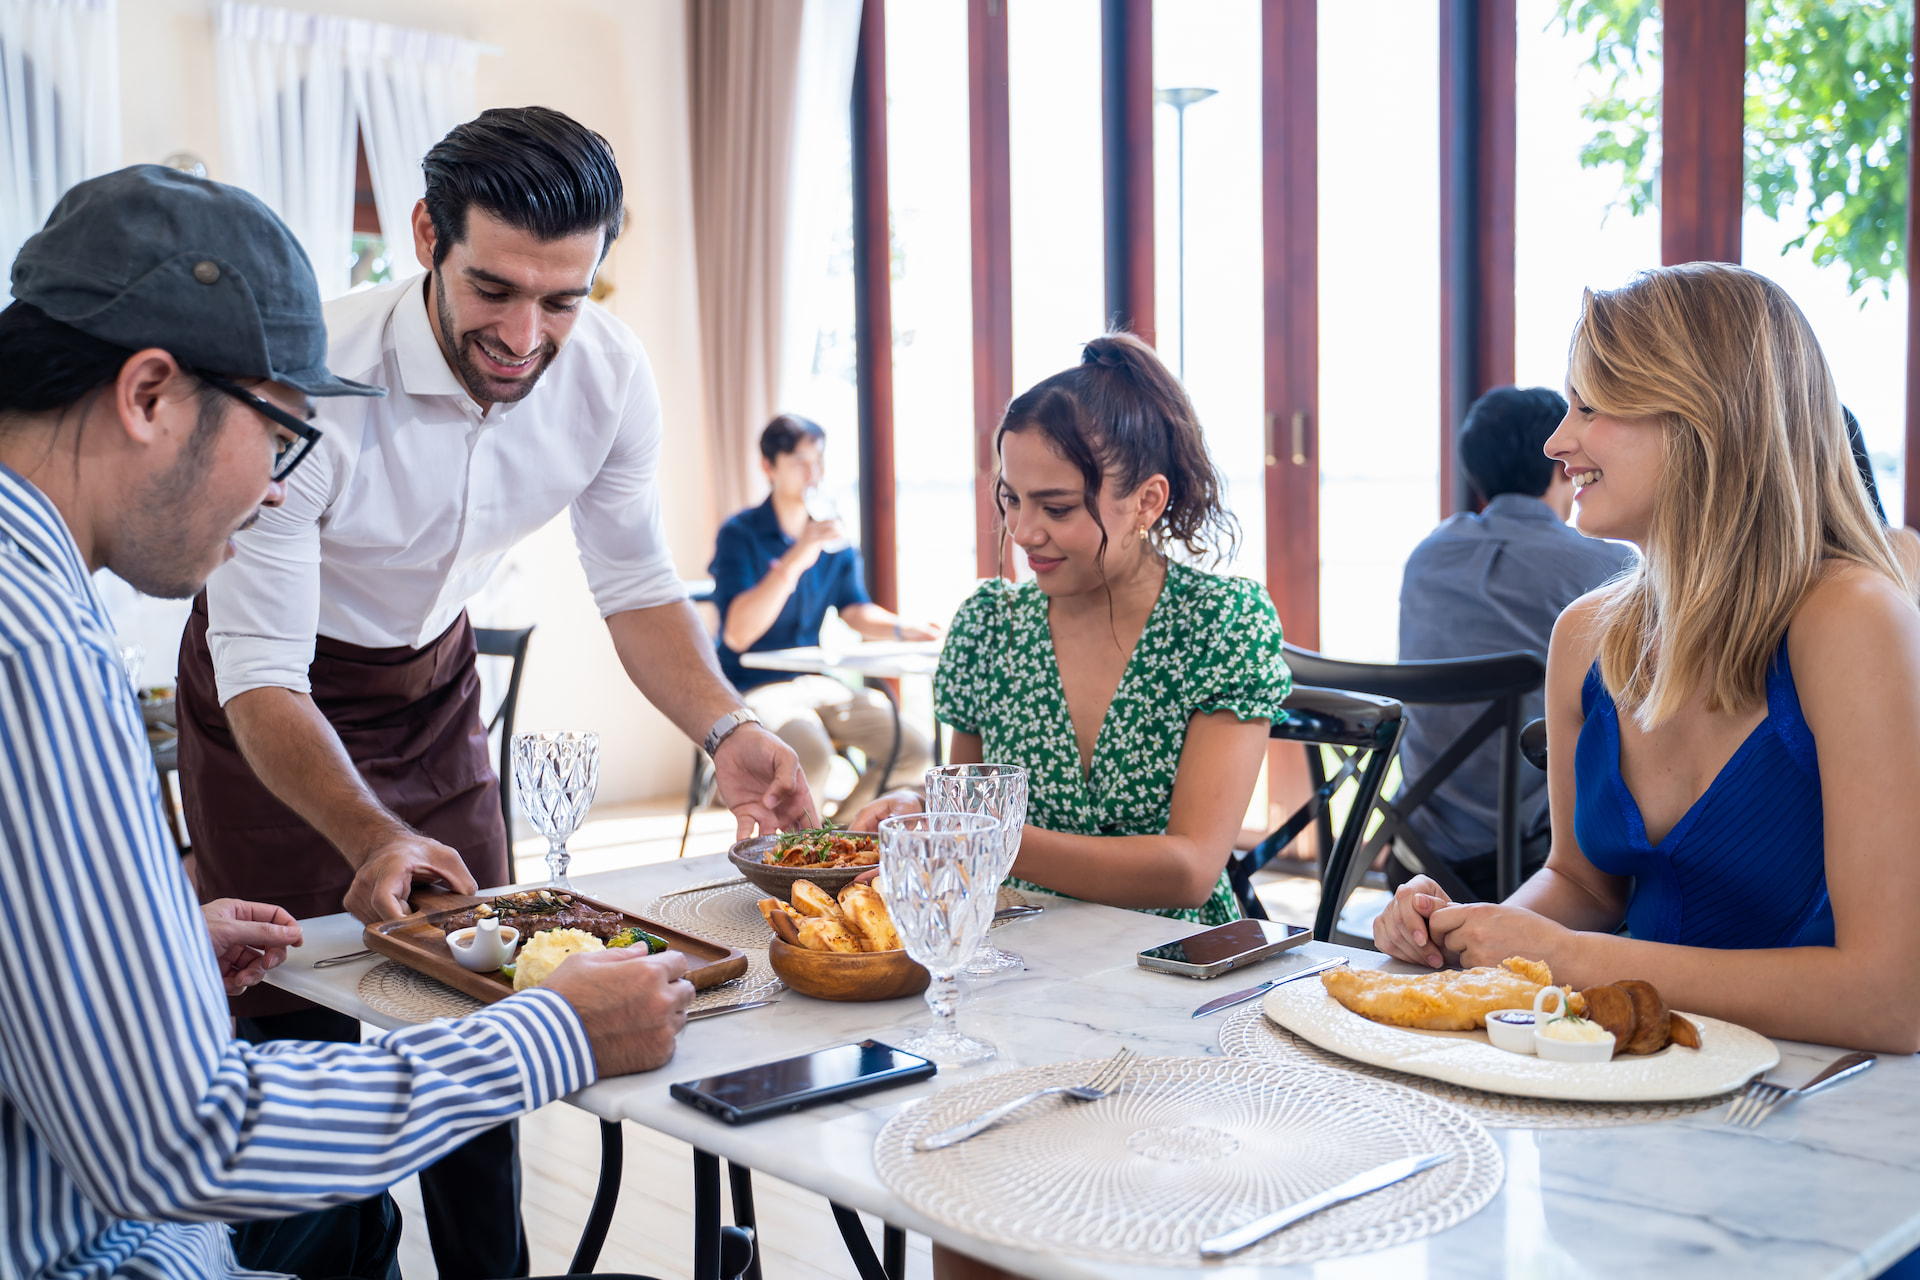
point(634, 936)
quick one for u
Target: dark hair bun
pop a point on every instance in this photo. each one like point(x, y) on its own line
point(1120, 415)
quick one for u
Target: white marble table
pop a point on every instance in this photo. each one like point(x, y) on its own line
point(881, 659)
point(1827, 1188)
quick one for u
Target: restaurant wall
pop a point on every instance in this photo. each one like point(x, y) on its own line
point(620, 67)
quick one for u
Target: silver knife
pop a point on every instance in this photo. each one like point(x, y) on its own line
point(1241, 997)
point(1372, 1180)
point(715, 1010)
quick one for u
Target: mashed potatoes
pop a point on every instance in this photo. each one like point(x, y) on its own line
point(544, 951)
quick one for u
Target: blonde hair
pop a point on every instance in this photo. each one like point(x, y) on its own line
point(1758, 488)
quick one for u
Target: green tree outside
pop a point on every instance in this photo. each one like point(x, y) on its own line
point(1827, 107)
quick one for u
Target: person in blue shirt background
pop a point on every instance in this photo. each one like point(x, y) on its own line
point(776, 572)
point(1489, 582)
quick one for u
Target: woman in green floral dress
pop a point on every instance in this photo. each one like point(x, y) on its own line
point(1136, 690)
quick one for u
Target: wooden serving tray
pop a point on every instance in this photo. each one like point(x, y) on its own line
point(419, 942)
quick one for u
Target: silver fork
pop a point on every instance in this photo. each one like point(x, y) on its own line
point(332, 962)
point(1761, 1097)
point(1104, 1082)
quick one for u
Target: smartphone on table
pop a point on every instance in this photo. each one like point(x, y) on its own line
point(1210, 953)
point(831, 1075)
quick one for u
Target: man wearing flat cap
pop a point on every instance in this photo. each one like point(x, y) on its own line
point(157, 372)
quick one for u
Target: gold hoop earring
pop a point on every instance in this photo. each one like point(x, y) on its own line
point(1143, 534)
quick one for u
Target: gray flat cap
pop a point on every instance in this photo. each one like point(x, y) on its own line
point(151, 257)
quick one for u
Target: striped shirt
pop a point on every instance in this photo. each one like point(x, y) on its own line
point(132, 1124)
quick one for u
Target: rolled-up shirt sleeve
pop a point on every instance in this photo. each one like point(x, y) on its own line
point(617, 521)
point(115, 1045)
point(263, 606)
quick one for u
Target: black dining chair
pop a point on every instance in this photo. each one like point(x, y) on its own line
point(505, 644)
point(1364, 731)
point(1502, 681)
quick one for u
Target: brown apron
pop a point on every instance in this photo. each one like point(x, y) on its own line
point(410, 720)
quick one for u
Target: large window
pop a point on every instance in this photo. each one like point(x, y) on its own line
point(1211, 332)
point(1826, 123)
point(1574, 225)
point(1379, 318)
point(929, 190)
point(1059, 218)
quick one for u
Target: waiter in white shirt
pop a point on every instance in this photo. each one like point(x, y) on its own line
point(332, 751)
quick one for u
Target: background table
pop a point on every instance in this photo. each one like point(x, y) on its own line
point(877, 660)
point(1827, 1188)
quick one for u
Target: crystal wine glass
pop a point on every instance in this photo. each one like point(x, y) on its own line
point(938, 877)
point(1000, 792)
point(555, 776)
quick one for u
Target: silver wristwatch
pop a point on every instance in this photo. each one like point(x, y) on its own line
point(724, 727)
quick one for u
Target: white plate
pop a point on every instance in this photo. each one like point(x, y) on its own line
point(1727, 1058)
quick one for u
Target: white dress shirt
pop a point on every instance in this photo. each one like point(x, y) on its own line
point(408, 503)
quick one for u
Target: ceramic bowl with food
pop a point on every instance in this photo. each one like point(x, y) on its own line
point(1511, 1029)
point(749, 858)
point(835, 975)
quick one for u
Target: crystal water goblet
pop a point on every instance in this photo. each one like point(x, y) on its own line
point(938, 877)
point(554, 778)
point(1000, 792)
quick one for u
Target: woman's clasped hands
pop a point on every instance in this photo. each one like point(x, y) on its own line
point(1423, 926)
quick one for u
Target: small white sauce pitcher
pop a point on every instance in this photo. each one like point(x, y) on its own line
point(485, 946)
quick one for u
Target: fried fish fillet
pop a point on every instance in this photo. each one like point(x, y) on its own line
point(1451, 1000)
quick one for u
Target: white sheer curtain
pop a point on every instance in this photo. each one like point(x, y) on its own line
point(59, 106)
point(296, 90)
point(817, 377)
point(410, 88)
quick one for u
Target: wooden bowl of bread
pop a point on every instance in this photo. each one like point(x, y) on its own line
point(842, 948)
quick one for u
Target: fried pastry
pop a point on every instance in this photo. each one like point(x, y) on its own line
point(817, 933)
point(1450, 1000)
point(1651, 1020)
point(1612, 1008)
point(867, 918)
point(783, 926)
point(809, 899)
point(1638, 1017)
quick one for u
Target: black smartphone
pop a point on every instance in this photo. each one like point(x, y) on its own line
point(1214, 951)
point(831, 1075)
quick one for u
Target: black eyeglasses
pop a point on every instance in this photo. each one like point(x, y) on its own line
point(287, 454)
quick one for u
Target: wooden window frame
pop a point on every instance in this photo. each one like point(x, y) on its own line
point(990, 156)
point(1126, 113)
point(1702, 122)
point(873, 308)
point(1478, 145)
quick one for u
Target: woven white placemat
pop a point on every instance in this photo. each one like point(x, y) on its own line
point(399, 992)
point(1186, 1149)
point(1249, 1033)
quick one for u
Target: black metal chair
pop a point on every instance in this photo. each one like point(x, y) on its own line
point(1502, 681)
point(505, 644)
point(1365, 730)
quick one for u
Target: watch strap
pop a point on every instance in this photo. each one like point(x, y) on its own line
point(723, 728)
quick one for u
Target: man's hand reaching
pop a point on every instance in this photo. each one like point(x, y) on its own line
point(760, 780)
point(248, 939)
point(386, 878)
point(633, 1006)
